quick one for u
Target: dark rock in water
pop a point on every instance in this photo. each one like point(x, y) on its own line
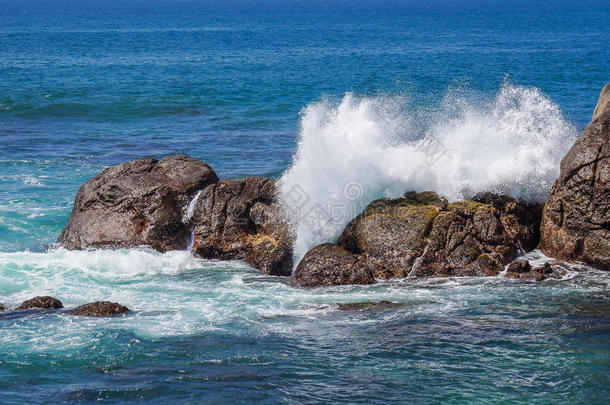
point(330, 264)
point(2, 308)
point(545, 269)
point(518, 267)
point(136, 203)
point(368, 305)
point(45, 302)
point(239, 219)
point(522, 269)
point(425, 237)
point(576, 220)
point(99, 309)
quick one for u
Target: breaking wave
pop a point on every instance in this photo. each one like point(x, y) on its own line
point(361, 148)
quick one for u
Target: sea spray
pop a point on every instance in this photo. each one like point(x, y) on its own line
point(362, 148)
point(187, 218)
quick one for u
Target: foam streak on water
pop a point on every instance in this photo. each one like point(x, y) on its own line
point(512, 143)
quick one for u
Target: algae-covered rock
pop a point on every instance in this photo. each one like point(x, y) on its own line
point(421, 235)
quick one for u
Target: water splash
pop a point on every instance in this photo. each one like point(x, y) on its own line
point(512, 143)
point(187, 218)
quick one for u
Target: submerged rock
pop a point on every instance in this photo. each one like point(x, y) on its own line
point(239, 219)
point(2, 308)
point(369, 306)
point(99, 309)
point(330, 264)
point(425, 237)
point(137, 203)
point(45, 302)
point(576, 219)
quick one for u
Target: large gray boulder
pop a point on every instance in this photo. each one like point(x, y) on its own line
point(240, 219)
point(140, 202)
point(576, 219)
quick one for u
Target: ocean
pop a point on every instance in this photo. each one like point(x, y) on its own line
point(319, 94)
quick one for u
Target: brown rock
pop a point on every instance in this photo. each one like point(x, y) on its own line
point(603, 103)
point(425, 237)
point(239, 219)
point(99, 309)
point(330, 264)
point(576, 219)
point(392, 234)
point(45, 302)
point(140, 202)
point(518, 267)
point(522, 270)
point(545, 269)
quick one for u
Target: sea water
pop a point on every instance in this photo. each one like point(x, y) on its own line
point(344, 102)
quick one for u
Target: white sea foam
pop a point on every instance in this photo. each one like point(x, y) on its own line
point(361, 148)
point(189, 212)
point(175, 293)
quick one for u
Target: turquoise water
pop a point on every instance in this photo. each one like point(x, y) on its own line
point(85, 85)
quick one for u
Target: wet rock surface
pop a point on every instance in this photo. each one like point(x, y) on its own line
point(426, 237)
point(522, 269)
point(45, 302)
point(576, 219)
point(136, 203)
point(99, 309)
point(330, 264)
point(239, 219)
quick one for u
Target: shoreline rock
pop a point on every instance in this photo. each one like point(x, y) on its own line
point(576, 218)
point(136, 203)
point(240, 219)
point(412, 237)
point(143, 202)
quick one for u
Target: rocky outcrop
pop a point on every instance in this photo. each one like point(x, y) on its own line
point(239, 219)
point(423, 236)
point(147, 202)
point(2, 308)
point(45, 302)
point(140, 202)
point(329, 264)
point(99, 309)
point(576, 219)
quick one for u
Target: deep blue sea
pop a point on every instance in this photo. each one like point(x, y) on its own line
point(322, 94)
